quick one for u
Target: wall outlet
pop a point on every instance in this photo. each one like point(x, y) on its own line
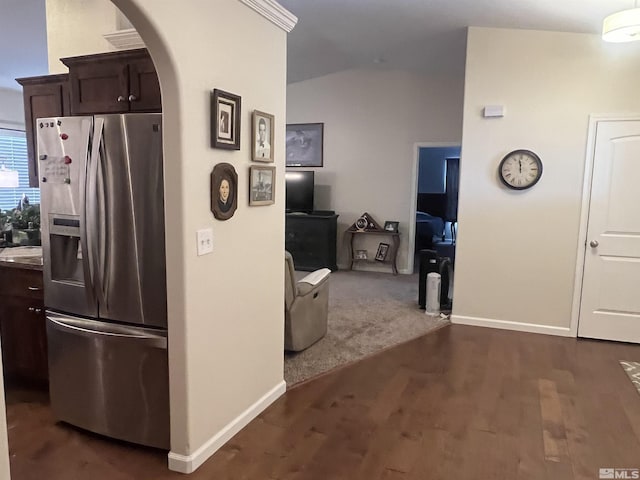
point(205, 241)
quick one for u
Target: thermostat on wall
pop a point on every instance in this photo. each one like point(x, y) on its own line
point(493, 111)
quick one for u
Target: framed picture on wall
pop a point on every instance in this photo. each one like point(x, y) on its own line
point(305, 144)
point(262, 185)
point(262, 129)
point(224, 191)
point(225, 120)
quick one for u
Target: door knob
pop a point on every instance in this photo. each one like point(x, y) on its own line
point(594, 243)
point(121, 98)
point(132, 98)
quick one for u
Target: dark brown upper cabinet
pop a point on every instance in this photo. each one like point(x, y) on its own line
point(116, 82)
point(44, 96)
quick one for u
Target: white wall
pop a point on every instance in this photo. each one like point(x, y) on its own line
point(517, 251)
point(371, 121)
point(67, 22)
point(11, 109)
point(226, 318)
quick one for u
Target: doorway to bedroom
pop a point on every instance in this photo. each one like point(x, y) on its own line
point(436, 210)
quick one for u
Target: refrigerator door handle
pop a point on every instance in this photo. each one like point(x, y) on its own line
point(90, 328)
point(102, 226)
point(94, 186)
point(85, 233)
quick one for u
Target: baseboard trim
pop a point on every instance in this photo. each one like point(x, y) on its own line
point(508, 325)
point(189, 463)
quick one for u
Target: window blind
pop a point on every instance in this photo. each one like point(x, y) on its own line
point(13, 156)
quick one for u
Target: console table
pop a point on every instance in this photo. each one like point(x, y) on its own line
point(311, 239)
point(393, 248)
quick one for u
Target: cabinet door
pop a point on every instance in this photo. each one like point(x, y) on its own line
point(24, 340)
point(42, 100)
point(144, 87)
point(311, 240)
point(99, 87)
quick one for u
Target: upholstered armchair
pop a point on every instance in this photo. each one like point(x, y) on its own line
point(306, 306)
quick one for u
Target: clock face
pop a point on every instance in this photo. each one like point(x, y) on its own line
point(520, 169)
point(361, 223)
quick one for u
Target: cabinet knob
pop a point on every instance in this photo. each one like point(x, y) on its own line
point(38, 310)
point(34, 289)
point(31, 309)
point(121, 98)
point(132, 98)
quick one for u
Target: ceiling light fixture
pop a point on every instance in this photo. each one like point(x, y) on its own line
point(622, 26)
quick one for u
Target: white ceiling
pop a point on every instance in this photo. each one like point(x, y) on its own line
point(333, 35)
point(23, 41)
point(422, 35)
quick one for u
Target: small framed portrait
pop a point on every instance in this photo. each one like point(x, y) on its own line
point(224, 191)
point(381, 254)
point(262, 128)
point(391, 226)
point(262, 185)
point(304, 144)
point(225, 120)
point(360, 255)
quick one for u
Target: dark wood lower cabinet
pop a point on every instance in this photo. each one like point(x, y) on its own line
point(311, 239)
point(23, 327)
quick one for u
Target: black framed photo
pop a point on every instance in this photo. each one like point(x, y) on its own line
point(381, 254)
point(391, 226)
point(262, 186)
point(262, 130)
point(224, 191)
point(305, 144)
point(225, 120)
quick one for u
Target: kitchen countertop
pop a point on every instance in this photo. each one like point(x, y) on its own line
point(21, 257)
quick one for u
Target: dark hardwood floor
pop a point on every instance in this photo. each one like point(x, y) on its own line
point(460, 403)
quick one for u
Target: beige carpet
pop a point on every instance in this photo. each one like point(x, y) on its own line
point(368, 312)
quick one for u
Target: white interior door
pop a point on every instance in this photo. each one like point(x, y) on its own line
point(610, 303)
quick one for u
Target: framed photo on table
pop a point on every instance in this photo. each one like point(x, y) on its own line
point(391, 226)
point(262, 184)
point(381, 254)
point(305, 144)
point(225, 120)
point(360, 255)
point(262, 130)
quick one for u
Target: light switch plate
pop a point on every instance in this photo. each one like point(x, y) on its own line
point(205, 241)
point(493, 111)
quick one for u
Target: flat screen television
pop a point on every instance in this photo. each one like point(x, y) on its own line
point(299, 187)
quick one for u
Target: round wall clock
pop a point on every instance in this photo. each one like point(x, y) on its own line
point(362, 223)
point(520, 169)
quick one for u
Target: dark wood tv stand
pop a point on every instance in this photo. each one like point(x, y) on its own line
point(311, 239)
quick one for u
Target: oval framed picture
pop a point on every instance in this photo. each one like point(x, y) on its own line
point(224, 191)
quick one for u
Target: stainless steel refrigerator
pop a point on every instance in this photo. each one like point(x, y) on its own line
point(102, 217)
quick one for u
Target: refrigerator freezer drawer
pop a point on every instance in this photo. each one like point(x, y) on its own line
point(109, 379)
